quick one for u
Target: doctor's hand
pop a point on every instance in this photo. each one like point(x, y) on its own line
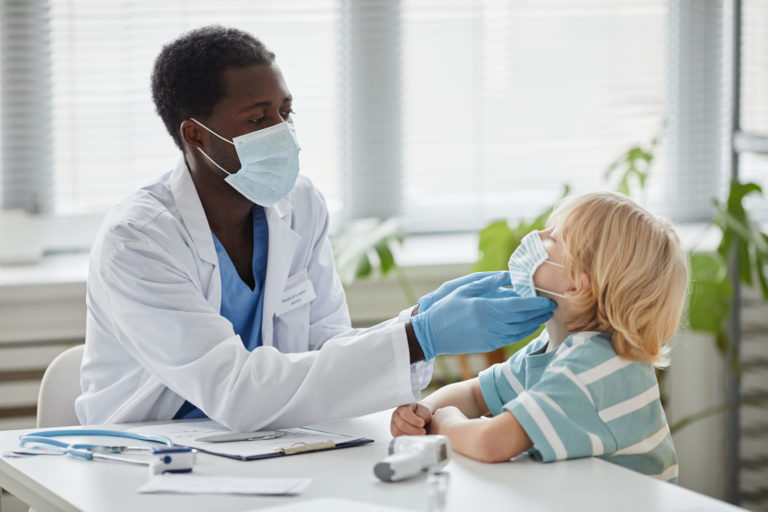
point(410, 420)
point(427, 300)
point(479, 317)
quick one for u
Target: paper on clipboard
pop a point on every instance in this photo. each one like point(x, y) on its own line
point(289, 441)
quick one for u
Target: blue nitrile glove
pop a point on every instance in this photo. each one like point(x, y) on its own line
point(479, 317)
point(427, 300)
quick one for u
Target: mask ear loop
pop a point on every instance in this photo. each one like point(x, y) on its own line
point(204, 153)
point(214, 163)
point(211, 131)
point(550, 292)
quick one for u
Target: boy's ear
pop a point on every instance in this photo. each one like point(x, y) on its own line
point(580, 288)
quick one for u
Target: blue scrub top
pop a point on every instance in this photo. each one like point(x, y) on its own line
point(239, 304)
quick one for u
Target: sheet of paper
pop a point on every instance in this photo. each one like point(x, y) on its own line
point(190, 483)
point(187, 433)
point(331, 505)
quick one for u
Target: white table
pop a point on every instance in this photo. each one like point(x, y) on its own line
point(67, 484)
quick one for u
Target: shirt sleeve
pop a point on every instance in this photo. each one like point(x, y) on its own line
point(559, 415)
point(503, 382)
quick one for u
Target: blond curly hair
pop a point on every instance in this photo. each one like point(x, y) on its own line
point(637, 270)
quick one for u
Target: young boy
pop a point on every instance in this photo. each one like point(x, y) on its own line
point(586, 386)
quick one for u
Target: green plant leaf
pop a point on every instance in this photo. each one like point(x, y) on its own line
point(738, 192)
point(386, 258)
point(745, 263)
point(709, 303)
point(355, 242)
point(495, 244)
point(633, 164)
point(364, 268)
point(760, 271)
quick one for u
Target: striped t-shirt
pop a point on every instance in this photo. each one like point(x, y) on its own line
point(582, 400)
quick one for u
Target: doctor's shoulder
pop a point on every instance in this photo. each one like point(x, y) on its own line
point(146, 215)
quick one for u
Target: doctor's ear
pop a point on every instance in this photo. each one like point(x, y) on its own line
point(193, 134)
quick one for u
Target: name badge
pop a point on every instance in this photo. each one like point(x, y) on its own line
point(295, 296)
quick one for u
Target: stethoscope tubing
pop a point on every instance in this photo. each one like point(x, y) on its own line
point(98, 432)
point(87, 451)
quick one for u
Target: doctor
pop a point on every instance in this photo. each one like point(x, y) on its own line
point(213, 292)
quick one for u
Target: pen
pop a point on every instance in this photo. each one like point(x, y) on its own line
point(241, 436)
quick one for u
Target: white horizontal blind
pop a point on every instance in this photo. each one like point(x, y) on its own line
point(25, 126)
point(108, 139)
point(754, 97)
point(503, 101)
point(506, 101)
point(371, 107)
point(699, 108)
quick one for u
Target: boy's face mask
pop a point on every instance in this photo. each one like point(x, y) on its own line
point(523, 264)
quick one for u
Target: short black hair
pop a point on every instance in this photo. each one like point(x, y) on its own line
point(187, 79)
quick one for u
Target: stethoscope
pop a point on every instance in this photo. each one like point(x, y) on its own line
point(170, 459)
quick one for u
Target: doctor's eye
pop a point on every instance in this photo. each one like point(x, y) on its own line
point(288, 113)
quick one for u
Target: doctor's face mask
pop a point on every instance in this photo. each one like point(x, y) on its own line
point(523, 264)
point(269, 160)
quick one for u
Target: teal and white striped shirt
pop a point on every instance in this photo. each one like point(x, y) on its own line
point(582, 400)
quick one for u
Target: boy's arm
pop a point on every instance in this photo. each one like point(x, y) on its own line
point(413, 419)
point(466, 396)
point(487, 440)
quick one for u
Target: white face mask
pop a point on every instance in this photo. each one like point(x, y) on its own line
point(269, 160)
point(523, 264)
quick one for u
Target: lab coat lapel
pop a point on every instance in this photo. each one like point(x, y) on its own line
point(193, 216)
point(283, 242)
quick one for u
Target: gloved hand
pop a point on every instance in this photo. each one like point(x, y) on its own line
point(479, 317)
point(427, 300)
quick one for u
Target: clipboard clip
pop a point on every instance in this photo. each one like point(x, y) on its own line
point(307, 447)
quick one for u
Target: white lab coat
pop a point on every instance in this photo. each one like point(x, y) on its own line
point(154, 335)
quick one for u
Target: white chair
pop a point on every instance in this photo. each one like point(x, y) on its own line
point(59, 388)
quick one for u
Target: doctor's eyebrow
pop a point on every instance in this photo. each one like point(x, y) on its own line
point(260, 104)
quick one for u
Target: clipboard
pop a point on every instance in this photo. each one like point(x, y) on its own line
point(252, 445)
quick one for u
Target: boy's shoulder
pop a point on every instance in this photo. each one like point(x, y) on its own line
point(591, 355)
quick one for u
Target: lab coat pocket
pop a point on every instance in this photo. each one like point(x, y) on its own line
point(292, 314)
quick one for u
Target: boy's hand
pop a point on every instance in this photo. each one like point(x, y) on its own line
point(410, 420)
point(445, 417)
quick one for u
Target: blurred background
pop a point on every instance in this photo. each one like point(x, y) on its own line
point(440, 132)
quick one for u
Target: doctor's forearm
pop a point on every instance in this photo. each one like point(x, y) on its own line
point(414, 347)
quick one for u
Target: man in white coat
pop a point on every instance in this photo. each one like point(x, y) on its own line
point(213, 293)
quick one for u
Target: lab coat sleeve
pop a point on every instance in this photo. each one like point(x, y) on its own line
point(161, 317)
point(329, 315)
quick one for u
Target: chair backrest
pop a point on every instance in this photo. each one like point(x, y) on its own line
point(59, 389)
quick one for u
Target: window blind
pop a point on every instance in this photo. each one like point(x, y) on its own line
point(698, 108)
point(25, 106)
point(108, 140)
point(506, 101)
point(484, 109)
point(754, 97)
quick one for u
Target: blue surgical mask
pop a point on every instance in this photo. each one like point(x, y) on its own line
point(269, 160)
point(523, 264)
